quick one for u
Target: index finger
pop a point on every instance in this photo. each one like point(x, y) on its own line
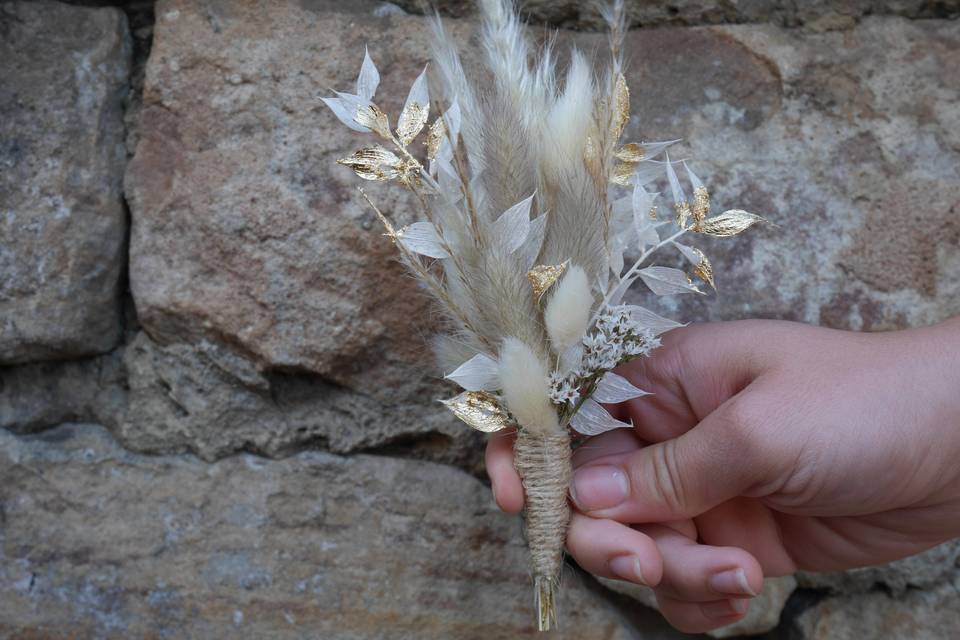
point(506, 484)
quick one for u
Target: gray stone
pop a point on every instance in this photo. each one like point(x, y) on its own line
point(205, 399)
point(814, 14)
point(932, 614)
point(63, 79)
point(97, 542)
point(921, 571)
point(763, 616)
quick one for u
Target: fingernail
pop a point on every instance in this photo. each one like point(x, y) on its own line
point(599, 487)
point(627, 568)
point(724, 608)
point(732, 582)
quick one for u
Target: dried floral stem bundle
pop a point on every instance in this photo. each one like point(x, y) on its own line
point(529, 202)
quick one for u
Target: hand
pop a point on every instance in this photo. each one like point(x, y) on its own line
point(767, 447)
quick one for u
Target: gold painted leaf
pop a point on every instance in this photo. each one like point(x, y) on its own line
point(621, 106)
point(543, 276)
point(435, 135)
point(622, 173)
point(479, 410)
point(372, 118)
point(373, 163)
point(729, 223)
point(701, 206)
point(683, 213)
point(631, 152)
point(704, 271)
point(411, 122)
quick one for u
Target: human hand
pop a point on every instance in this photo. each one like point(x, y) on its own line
point(767, 447)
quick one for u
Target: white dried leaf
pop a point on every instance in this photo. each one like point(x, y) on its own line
point(479, 373)
point(665, 281)
point(641, 204)
point(345, 107)
point(511, 229)
point(416, 110)
point(592, 419)
point(676, 190)
point(613, 388)
point(653, 149)
point(423, 238)
point(650, 320)
point(369, 78)
point(694, 255)
point(534, 241)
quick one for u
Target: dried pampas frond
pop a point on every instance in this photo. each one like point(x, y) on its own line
point(529, 202)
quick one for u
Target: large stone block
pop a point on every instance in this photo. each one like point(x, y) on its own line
point(101, 543)
point(813, 14)
point(63, 79)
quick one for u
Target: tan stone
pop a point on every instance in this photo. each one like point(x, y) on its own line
point(101, 543)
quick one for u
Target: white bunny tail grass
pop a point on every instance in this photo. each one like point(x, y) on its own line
point(526, 389)
point(568, 312)
point(543, 461)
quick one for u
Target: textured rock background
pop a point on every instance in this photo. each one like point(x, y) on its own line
point(62, 219)
point(263, 343)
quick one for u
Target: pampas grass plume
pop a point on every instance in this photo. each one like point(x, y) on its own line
point(568, 311)
point(524, 379)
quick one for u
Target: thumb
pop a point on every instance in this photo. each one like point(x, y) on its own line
point(723, 457)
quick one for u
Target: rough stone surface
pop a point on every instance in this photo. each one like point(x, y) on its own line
point(814, 14)
point(245, 233)
point(847, 141)
point(932, 614)
point(763, 616)
point(248, 238)
point(205, 399)
point(101, 543)
point(921, 571)
point(63, 79)
point(274, 318)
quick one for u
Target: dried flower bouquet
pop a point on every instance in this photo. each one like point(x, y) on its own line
point(529, 202)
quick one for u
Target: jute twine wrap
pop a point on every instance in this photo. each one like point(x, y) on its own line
point(543, 462)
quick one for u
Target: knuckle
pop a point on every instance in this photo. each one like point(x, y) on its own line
point(663, 479)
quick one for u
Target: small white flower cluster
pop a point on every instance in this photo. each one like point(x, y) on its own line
point(618, 339)
point(565, 389)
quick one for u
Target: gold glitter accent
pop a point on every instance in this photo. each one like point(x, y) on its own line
point(701, 206)
point(543, 276)
point(392, 232)
point(372, 118)
point(630, 152)
point(480, 410)
point(435, 135)
point(653, 212)
point(621, 106)
point(374, 163)
point(411, 122)
point(704, 270)
point(729, 223)
point(683, 213)
point(622, 173)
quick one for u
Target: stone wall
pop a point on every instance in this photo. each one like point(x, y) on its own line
point(217, 419)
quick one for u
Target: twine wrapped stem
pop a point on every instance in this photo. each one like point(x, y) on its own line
point(543, 461)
